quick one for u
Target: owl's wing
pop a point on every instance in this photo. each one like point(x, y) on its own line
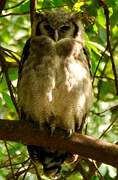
point(24, 56)
point(88, 59)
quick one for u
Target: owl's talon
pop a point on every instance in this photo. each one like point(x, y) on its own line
point(69, 133)
point(52, 130)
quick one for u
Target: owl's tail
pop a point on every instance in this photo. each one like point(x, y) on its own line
point(51, 160)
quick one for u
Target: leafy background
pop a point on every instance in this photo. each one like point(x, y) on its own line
point(103, 120)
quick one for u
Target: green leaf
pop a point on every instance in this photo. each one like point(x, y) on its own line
point(3, 84)
point(95, 178)
point(47, 4)
point(94, 48)
point(58, 3)
point(98, 46)
point(0, 102)
point(101, 18)
point(13, 74)
point(106, 90)
point(8, 101)
point(25, 7)
point(111, 3)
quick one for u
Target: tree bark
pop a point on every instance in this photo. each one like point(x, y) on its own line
point(83, 145)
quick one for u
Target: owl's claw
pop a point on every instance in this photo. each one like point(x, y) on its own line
point(62, 132)
point(53, 130)
point(69, 133)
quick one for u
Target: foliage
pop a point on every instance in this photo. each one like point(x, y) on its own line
point(103, 120)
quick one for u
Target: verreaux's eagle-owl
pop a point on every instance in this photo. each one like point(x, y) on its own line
point(54, 79)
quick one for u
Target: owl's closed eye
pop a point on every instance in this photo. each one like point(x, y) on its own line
point(58, 25)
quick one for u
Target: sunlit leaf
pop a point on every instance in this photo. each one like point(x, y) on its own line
point(95, 178)
point(98, 46)
point(13, 73)
point(25, 7)
point(101, 18)
point(58, 3)
point(8, 101)
point(47, 4)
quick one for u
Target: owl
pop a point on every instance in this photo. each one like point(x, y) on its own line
point(54, 86)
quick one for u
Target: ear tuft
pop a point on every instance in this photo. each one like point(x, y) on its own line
point(83, 17)
point(76, 16)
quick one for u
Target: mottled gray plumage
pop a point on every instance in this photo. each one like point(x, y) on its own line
point(55, 78)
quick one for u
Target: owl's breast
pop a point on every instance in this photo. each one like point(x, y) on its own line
point(56, 84)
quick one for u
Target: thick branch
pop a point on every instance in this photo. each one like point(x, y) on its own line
point(85, 146)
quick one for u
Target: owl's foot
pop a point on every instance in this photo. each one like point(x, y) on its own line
point(56, 131)
point(43, 126)
point(61, 132)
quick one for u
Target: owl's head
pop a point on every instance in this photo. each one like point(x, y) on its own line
point(58, 24)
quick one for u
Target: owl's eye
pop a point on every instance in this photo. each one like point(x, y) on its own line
point(64, 28)
point(48, 28)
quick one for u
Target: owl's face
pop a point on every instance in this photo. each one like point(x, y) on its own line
point(57, 25)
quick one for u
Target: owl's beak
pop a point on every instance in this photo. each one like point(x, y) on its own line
point(56, 35)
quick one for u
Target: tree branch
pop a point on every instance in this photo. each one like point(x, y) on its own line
point(2, 5)
point(12, 7)
point(85, 146)
point(106, 13)
point(32, 11)
point(9, 84)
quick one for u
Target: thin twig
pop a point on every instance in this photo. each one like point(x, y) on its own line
point(4, 69)
point(26, 171)
point(10, 53)
point(21, 172)
point(100, 82)
point(99, 64)
point(96, 168)
point(14, 164)
point(82, 171)
point(93, 168)
point(36, 170)
point(22, 169)
point(10, 65)
point(115, 46)
point(10, 161)
point(106, 12)
point(104, 77)
point(15, 5)
point(109, 109)
point(14, 14)
point(110, 125)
